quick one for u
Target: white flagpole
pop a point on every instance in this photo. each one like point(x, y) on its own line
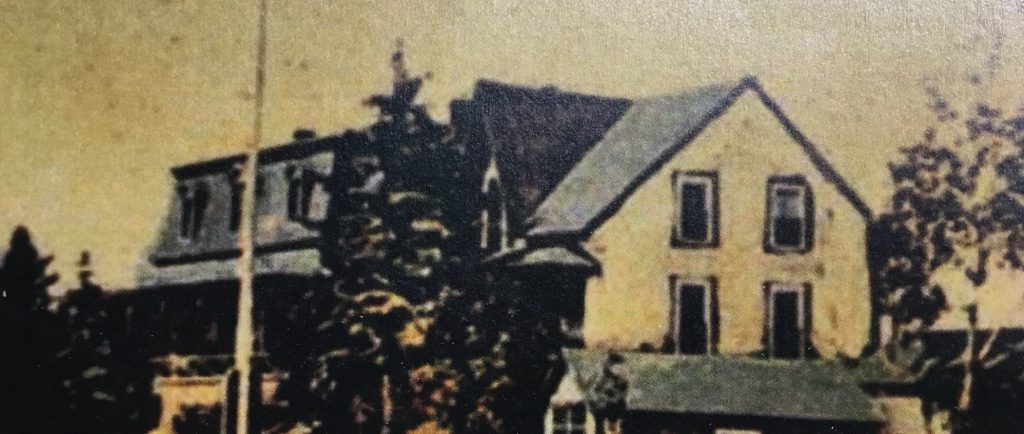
point(244, 330)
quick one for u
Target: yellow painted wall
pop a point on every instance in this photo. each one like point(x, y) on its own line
point(628, 304)
point(179, 392)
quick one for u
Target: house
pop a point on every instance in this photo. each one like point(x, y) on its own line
point(698, 246)
point(721, 259)
point(183, 310)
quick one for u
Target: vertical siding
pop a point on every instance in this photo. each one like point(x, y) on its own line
point(628, 304)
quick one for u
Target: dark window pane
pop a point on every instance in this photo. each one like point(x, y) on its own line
point(693, 329)
point(294, 189)
point(788, 217)
point(200, 199)
point(788, 232)
point(184, 229)
point(786, 327)
point(493, 204)
point(578, 415)
point(235, 219)
point(561, 415)
point(694, 212)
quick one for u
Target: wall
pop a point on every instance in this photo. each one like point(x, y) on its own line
point(628, 304)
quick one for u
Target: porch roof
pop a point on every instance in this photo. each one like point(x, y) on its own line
point(553, 256)
point(734, 386)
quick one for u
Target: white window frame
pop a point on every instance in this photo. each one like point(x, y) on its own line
point(709, 181)
point(676, 284)
point(569, 427)
point(773, 213)
point(801, 315)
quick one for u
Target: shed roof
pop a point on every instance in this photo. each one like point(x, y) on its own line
point(714, 385)
point(650, 132)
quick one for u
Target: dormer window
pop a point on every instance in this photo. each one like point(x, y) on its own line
point(695, 223)
point(300, 191)
point(790, 216)
point(193, 210)
point(237, 190)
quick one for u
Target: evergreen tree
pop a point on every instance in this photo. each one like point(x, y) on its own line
point(28, 339)
point(389, 248)
point(106, 383)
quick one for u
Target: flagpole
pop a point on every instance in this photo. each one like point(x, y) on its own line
point(246, 399)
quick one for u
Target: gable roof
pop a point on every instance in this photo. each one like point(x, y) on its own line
point(735, 386)
point(650, 132)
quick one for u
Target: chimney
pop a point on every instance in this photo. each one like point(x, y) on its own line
point(304, 134)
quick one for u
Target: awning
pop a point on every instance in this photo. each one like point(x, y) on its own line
point(733, 386)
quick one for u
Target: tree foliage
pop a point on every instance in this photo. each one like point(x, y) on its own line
point(958, 204)
point(29, 337)
point(414, 334)
point(106, 383)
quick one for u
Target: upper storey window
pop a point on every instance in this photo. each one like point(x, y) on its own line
point(696, 209)
point(300, 191)
point(492, 231)
point(790, 212)
point(194, 200)
point(237, 190)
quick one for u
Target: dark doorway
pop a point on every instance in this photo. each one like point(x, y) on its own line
point(785, 329)
point(692, 337)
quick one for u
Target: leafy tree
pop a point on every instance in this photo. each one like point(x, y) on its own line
point(106, 383)
point(958, 203)
point(27, 337)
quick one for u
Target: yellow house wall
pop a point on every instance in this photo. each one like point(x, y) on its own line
point(628, 304)
point(176, 393)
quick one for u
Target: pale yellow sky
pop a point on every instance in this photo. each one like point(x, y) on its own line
point(99, 98)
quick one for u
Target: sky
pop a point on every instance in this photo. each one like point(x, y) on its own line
point(99, 98)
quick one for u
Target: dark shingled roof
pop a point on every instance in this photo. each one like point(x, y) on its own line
point(713, 385)
point(649, 133)
point(538, 134)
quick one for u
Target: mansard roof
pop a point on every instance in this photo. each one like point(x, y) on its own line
point(731, 386)
point(536, 135)
point(283, 245)
point(650, 132)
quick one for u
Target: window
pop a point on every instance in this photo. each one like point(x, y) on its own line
point(569, 419)
point(694, 316)
point(491, 239)
point(790, 210)
point(300, 189)
point(788, 321)
point(185, 220)
point(696, 210)
point(193, 210)
point(237, 189)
